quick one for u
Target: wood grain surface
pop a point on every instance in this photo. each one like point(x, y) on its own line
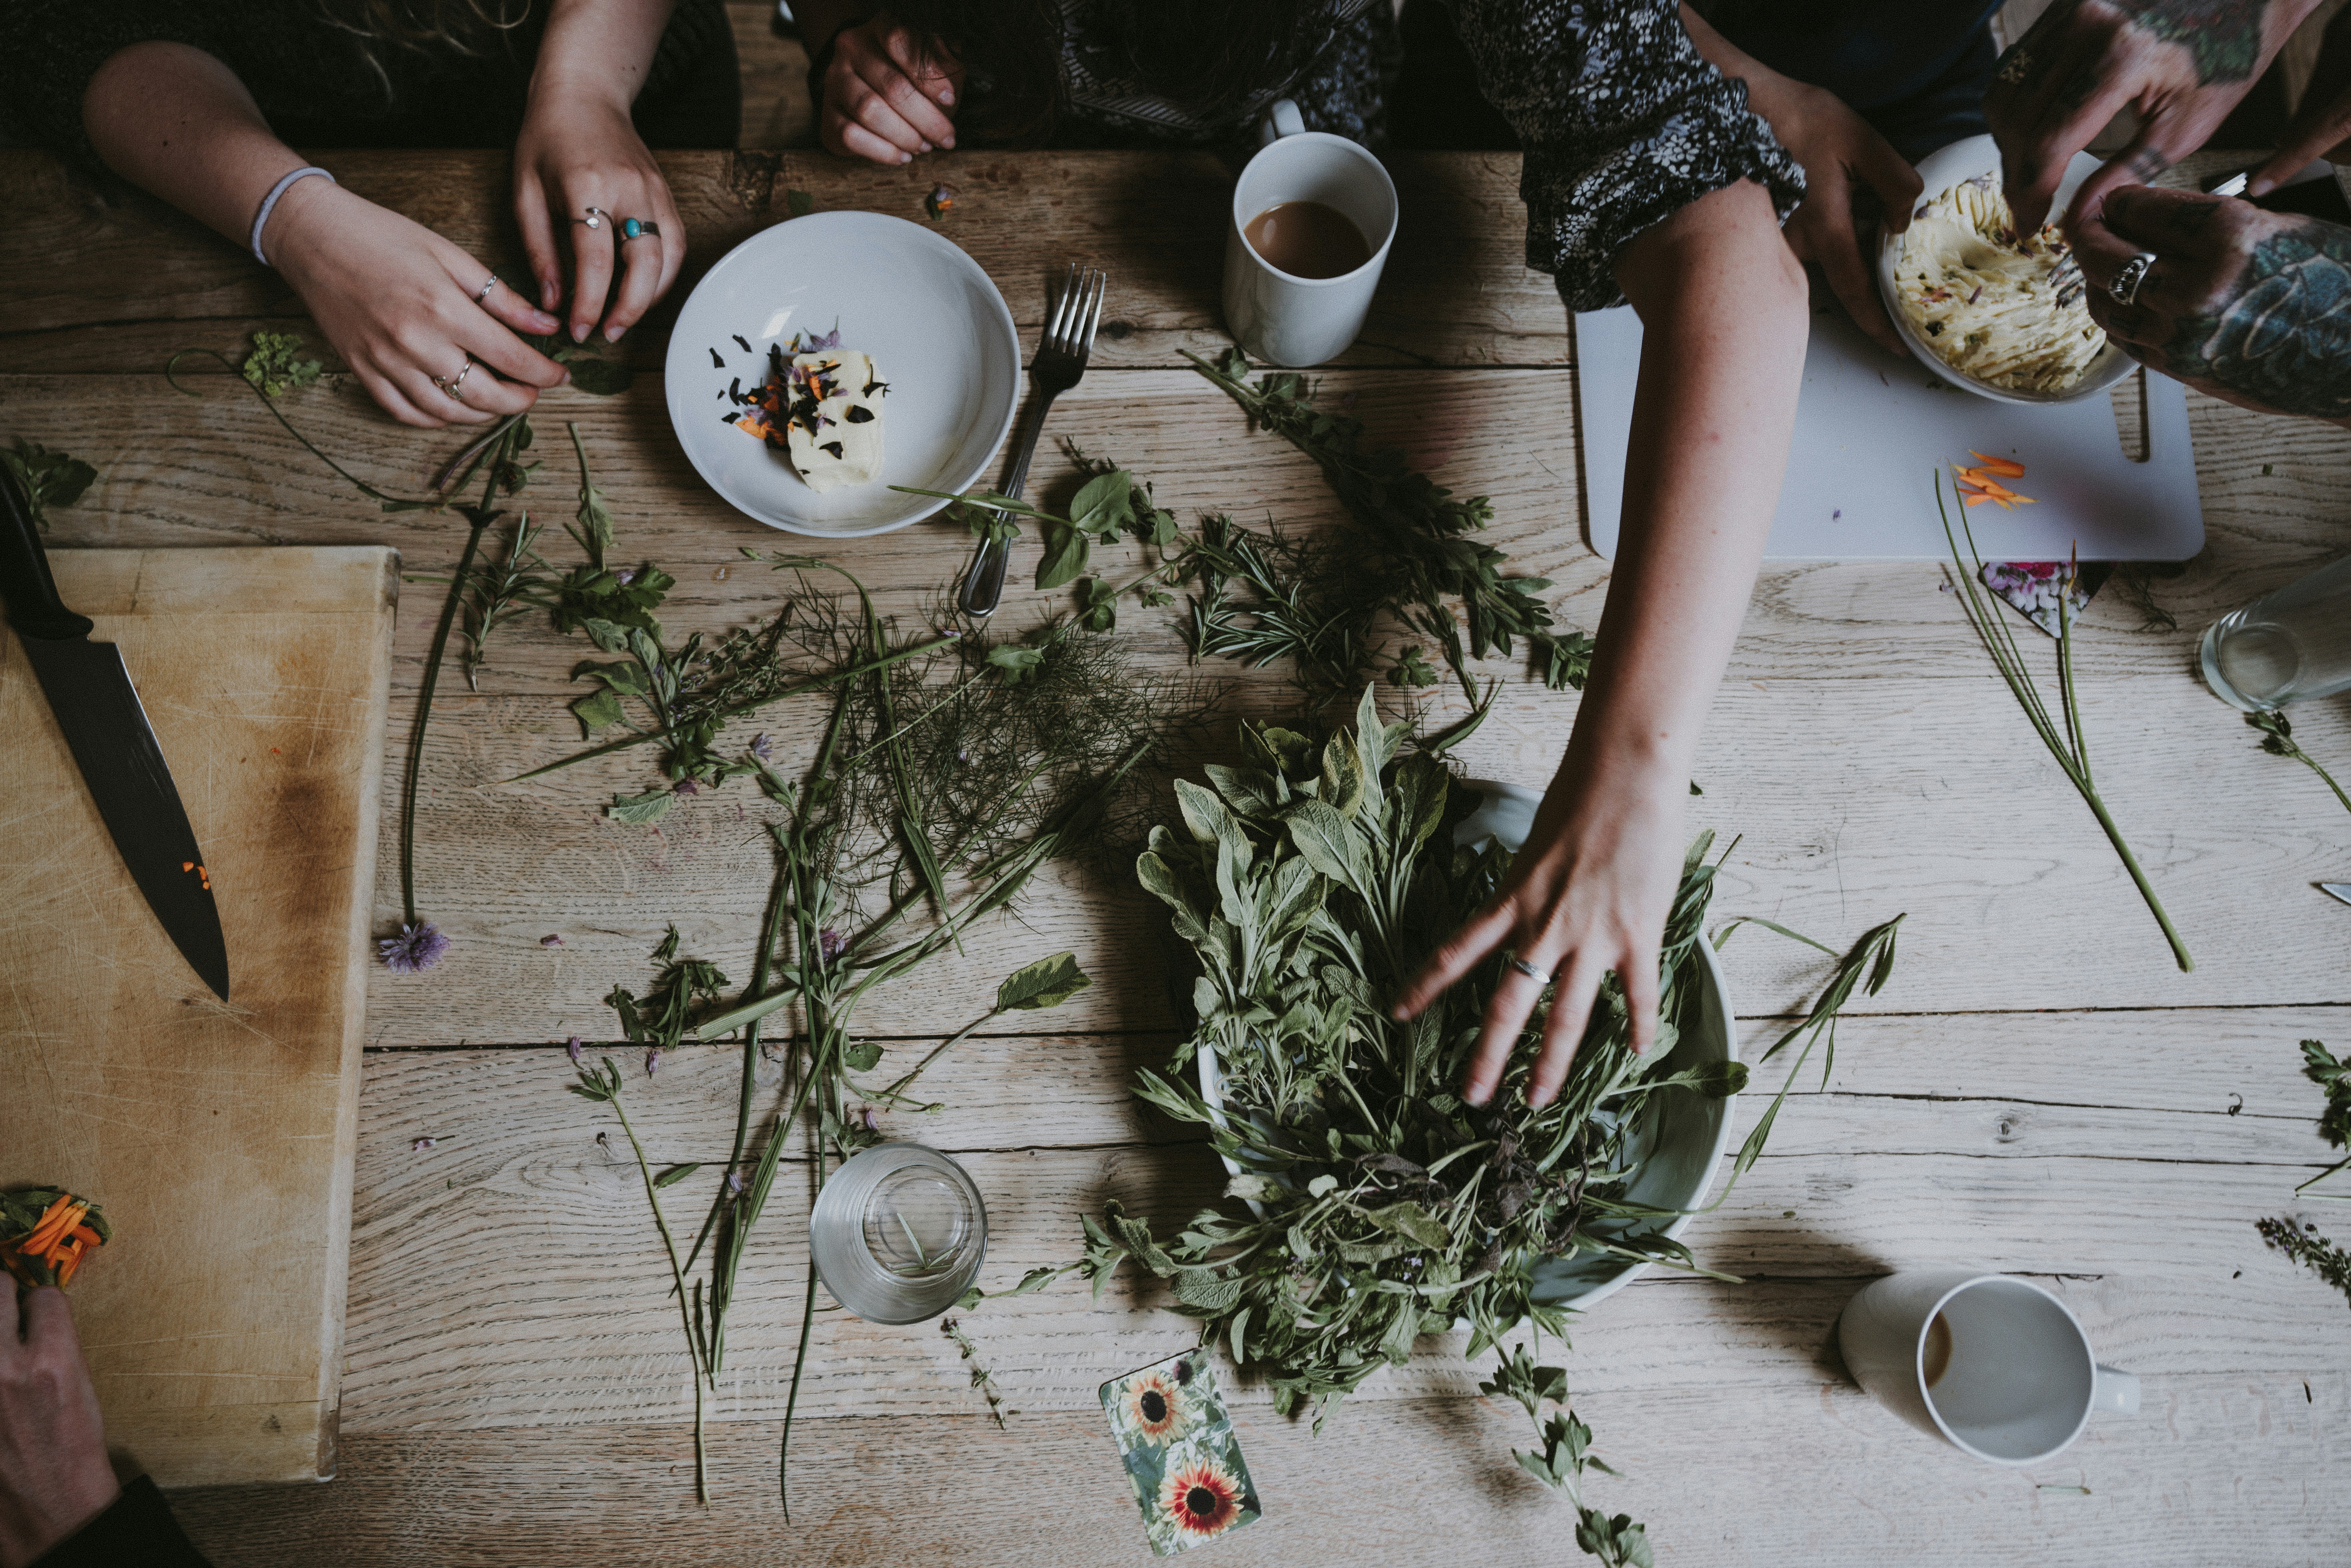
point(218, 1136)
point(2039, 1090)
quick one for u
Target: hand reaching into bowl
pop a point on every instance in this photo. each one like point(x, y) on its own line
point(2251, 307)
point(2181, 64)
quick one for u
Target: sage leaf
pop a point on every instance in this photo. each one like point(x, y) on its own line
point(1047, 983)
point(1100, 503)
point(860, 1055)
point(650, 807)
point(1063, 561)
point(598, 712)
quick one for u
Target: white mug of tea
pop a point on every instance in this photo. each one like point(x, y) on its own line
point(1994, 1365)
point(1313, 215)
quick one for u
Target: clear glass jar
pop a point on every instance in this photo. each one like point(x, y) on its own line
point(898, 1233)
point(2285, 647)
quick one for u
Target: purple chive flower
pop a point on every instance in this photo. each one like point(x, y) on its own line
point(550, 941)
point(735, 1183)
point(652, 1061)
point(685, 787)
point(823, 340)
point(828, 945)
point(571, 1049)
point(416, 949)
point(421, 1145)
point(759, 746)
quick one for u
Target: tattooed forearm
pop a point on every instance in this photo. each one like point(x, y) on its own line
point(2282, 335)
point(2223, 36)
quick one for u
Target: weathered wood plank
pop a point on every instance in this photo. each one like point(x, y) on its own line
point(218, 470)
point(2148, 1213)
point(1456, 290)
point(2219, 1468)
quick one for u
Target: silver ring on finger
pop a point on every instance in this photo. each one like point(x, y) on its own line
point(484, 291)
point(596, 218)
point(451, 386)
point(2129, 275)
point(1529, 971)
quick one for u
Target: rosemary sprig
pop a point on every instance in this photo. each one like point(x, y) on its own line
point(981, 1379)
point(2070, 747)
point(2277, 740)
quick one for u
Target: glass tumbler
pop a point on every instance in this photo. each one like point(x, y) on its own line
point(898, 1233)
point(2285, 647)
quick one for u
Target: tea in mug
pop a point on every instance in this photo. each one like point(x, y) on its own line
point(1308, 239)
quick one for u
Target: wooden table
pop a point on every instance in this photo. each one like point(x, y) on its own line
point(2038, 1090)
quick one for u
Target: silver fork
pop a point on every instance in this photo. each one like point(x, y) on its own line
point(1069, 338)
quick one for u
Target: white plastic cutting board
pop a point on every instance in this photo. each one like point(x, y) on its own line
point(1872, 431)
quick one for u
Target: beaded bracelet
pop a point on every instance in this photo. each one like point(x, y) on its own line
point(271, 201)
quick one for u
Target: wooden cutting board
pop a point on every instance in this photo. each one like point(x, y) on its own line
point(217, 1137)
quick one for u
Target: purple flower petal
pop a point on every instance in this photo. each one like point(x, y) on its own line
point(685, 787)
point(652, 1061)
point(735, 1183)
point(421, 1145)
point(828, 945)
point(550, 941)
point(571, 1049)
point(824, 341)
point(416, 949)
point(625, 576)
point(759, 746)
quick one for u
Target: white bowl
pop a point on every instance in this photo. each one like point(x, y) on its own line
point(932, 322)
point(1938, 171)
point(1678, 1147)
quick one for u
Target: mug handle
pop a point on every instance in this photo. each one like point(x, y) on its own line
point(2117, 1391)
point(1282, 119)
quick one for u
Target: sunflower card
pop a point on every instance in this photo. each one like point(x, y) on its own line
point(1181, 1456)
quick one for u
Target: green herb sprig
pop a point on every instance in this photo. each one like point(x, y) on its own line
point(49, 479)
point(2315, 1252)
point(2277, 740)
point(1565, 1454)
point(274, 367)
point(2062, 734)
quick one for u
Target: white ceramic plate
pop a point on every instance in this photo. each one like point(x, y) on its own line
point(1937, 173)
point(1678, 1147)
point(934, 323)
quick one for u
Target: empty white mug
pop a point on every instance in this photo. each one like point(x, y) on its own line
point(1994, 1365)
point(1287, 320)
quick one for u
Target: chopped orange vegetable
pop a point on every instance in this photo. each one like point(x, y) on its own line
point(2006, 467)
point(59, 1219)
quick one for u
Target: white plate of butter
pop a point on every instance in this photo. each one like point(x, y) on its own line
point(923, 378)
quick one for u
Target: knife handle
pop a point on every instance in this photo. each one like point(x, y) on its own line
point(30, 593)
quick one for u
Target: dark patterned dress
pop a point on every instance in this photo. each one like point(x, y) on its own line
point(1623, 122)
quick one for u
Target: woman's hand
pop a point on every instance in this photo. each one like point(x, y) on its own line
point(2251, 307)
point(2181, 64)
point(1846, 163)
point(578, 150)
point(884, 100)
point(403, 305)
point(54, 1475)
point(1588, 892)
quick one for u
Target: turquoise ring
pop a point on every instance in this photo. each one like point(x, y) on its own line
point(634, 228)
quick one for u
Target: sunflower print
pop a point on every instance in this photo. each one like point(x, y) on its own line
point(1202, 1498)
point(1155, 1406)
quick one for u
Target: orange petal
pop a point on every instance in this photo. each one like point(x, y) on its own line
point(1977, 500)
point(2006, 467)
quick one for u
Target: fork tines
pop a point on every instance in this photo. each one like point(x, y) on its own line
point(1077, 313)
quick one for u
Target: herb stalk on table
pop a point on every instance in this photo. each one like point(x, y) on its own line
point(2277, 740)
point(2062, 734)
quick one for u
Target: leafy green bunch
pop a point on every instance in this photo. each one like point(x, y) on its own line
point(49, 479)
point(1413, 548)
point(1311, 885)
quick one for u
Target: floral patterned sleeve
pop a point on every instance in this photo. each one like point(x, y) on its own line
point(1624, 123)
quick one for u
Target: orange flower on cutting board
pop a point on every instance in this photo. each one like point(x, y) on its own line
point(45, 1233)
point(1982, 482)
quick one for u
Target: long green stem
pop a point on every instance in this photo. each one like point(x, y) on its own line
point(694, 1350)
point(2073, 758)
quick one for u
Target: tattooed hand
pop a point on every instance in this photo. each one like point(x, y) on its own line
point(2251, 307)
point(2181, 64)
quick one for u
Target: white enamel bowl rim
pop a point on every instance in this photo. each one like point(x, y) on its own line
point(991, 379)
point(1937, 173)
point(1700, 1123)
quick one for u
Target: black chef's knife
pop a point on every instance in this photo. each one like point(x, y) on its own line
point(96, 705)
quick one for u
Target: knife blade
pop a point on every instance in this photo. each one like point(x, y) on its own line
point(91, 696)
point(2341, 890)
